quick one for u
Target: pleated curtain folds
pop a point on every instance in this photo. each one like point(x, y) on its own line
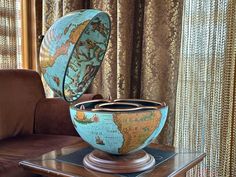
point(143, 52)
point(227, 155)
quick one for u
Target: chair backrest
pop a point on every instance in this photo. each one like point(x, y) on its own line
point(20, 90)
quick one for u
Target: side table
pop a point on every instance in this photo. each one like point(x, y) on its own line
point(47, 165)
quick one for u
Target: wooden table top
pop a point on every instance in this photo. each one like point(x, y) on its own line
point(46, 164)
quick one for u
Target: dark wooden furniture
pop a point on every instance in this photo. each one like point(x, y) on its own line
point(46, 164)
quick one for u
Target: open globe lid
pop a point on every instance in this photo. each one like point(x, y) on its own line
point(72, 52)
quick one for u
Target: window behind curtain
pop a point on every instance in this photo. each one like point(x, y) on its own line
point(10, 34)
point(200, 82)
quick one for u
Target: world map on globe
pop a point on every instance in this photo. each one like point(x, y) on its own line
point(72, 51)
point(118, 133)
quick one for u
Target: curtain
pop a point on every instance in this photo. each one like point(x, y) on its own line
point(205, 105)
point(143, 52)
point(228, 123)
point(54, 9)
point(10, 34)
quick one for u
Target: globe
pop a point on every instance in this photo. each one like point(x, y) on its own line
point(72, 51)
point(119, 128)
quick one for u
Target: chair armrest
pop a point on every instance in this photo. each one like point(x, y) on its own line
point(52, 116)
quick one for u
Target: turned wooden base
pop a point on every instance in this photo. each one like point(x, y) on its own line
point(104, 162)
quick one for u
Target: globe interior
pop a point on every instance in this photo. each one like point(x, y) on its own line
point(86, 57)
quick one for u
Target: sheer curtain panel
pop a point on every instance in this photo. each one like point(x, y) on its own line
point(10, 34)
point(205, 106)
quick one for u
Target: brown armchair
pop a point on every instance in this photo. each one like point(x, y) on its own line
point(30, 123)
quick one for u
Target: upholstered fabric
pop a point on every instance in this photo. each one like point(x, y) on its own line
point(13, 150)
point(20, 91)
point(52, 116)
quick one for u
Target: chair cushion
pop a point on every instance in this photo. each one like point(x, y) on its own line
point(52, 113)
point(15, 149)
point(20, 91)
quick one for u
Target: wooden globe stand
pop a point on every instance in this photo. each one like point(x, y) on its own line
point(108, 163)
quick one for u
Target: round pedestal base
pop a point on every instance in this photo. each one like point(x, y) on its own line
point(104, 162)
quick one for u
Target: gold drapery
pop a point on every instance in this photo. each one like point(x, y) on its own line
point(161, 52)
point(228, 123)
point(10, 34)
point(143, 52)
point(29, 34)
point(205, 106)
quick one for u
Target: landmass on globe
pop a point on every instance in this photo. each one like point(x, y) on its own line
point(117, 132)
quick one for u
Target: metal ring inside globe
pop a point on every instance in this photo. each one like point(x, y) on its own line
point(72, 51)
point(117, 105)
point(89, 105)
point(141, 102)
